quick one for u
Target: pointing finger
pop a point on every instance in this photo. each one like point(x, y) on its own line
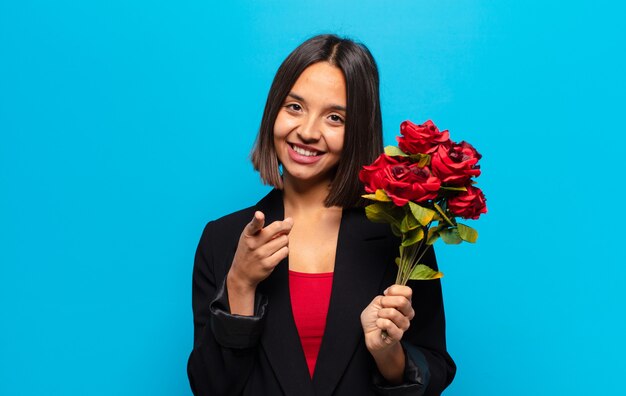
point(256, 224)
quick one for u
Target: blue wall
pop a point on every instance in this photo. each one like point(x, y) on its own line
point(126, 125)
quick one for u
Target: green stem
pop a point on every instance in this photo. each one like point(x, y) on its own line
point(409, 263)
point(416, 262)
point(408, 253)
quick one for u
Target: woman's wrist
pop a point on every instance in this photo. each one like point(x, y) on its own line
point(391, 363)
point(240, 295)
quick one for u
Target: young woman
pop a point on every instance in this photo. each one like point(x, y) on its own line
point(294, 296)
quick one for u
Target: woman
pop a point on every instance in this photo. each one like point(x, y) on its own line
point(292, 295)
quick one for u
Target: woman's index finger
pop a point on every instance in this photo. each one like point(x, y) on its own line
point(256, 225)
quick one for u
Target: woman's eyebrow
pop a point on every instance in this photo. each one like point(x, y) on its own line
point(301, 99)
point(338, 108)
point(296, 96)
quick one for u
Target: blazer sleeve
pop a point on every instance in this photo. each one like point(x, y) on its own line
point(429, 369)
point(225, 345)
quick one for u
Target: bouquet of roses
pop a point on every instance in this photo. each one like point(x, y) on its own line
point(420, 188)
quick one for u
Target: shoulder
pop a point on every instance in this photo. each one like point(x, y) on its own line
point(234, 220)
point(218, 243)
point(222, 231)
point(361, 227)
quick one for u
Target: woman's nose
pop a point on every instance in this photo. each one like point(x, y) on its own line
point(309, 130)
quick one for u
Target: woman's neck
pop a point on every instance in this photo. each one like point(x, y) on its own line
point(300, 198)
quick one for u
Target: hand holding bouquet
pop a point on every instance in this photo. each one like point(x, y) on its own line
point(420, 187)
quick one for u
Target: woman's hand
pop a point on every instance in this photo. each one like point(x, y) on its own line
point(384, 322)
point(259, 251)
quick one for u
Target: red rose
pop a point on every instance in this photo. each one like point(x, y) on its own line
point(468, 204)
point(455, 164)
point(373, 175)
point(402, 180)
point(422, 139)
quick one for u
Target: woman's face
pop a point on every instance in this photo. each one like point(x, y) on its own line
point(309, 128)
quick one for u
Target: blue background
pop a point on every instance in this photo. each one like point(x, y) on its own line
point(126, 126)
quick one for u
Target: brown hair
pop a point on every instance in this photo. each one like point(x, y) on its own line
point(363, 128)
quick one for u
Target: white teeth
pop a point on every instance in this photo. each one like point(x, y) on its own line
point(302, 151)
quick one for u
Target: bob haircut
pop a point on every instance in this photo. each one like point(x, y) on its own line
point(363, 127)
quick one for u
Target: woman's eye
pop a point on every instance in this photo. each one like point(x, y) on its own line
point(294, 107)
point(336, 118)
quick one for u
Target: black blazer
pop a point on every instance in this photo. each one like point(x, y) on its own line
point(262, 354)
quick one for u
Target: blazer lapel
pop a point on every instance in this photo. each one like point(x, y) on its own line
point(360, 267)
point(280, 339)
point(359, 270)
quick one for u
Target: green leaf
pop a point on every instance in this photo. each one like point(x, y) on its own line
point(443, 215)
point(398, 261)
point(408, 222)
point(453, 188)
point(467, 233)
point(421, 159)
point(382, 212)
point(433, 235)
point(394, 151)
point(395, 229)
point(379, 196)
point(422, 214)
point(413, 237)
point(424, 272)
point(450, 236)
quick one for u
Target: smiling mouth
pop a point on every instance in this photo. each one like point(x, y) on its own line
point(305, 152)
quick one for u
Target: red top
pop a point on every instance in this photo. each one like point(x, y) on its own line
point(310, 296)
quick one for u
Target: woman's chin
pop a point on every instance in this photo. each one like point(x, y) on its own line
point(306, 179)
